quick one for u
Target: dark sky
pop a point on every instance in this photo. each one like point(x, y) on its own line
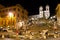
point(32, 5)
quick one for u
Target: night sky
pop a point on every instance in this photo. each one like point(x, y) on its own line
point(32, 6)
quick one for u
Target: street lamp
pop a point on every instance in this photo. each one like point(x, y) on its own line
point(10, 14)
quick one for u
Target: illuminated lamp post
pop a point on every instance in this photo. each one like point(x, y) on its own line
point(10, 16)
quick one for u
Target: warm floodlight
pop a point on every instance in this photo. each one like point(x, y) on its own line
point(10, 14)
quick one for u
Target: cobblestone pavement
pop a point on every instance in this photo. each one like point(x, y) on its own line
point(30, 39)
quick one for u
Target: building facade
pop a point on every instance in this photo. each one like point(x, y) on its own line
point(47, 12)
point(41, 12)
point(13, 14)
